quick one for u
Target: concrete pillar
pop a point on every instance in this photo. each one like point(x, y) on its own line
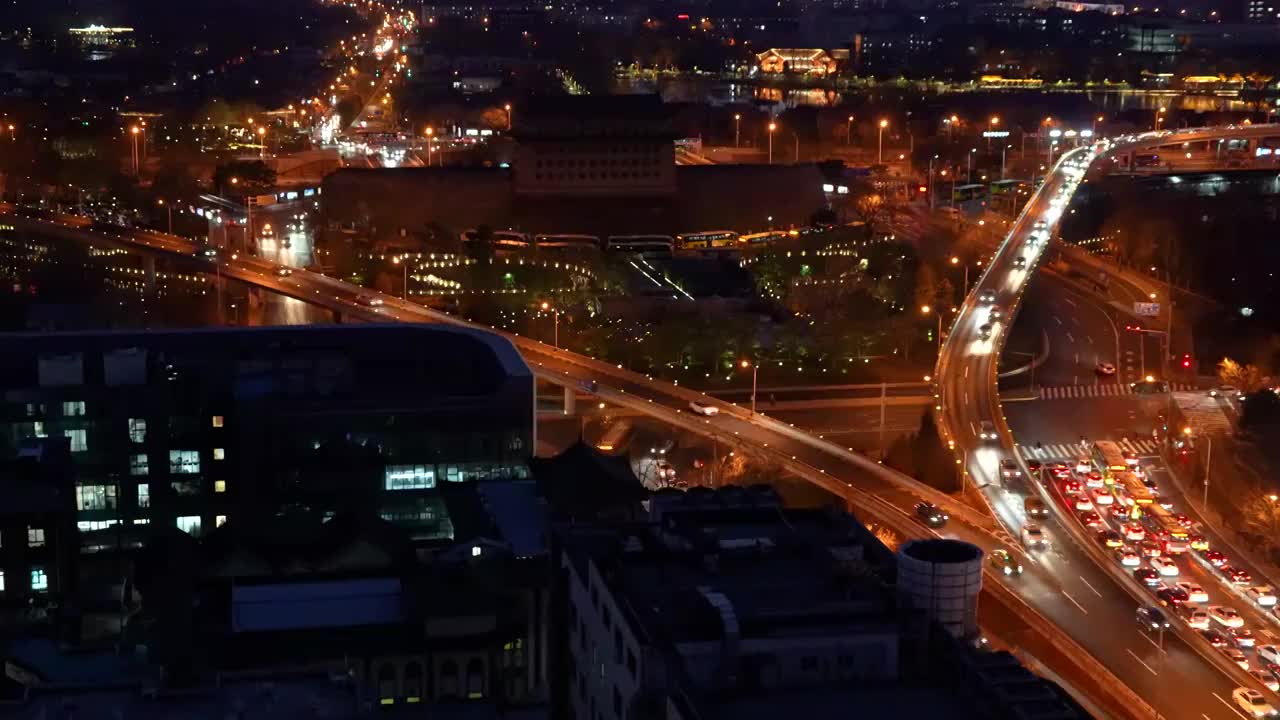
point(149, 270)
point(570, 401)
point(254, 296)
point(337, 317)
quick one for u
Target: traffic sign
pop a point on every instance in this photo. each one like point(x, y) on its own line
point(1146, 309)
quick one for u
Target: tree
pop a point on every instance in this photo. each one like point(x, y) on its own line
point(248, 177)
point(1248, 378)
point(1261, 516)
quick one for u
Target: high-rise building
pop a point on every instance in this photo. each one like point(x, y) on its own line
point(191, 428)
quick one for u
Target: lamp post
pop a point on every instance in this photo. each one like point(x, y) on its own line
point(754, 374)
point(1003, 151)
point(507, 107)
point(925, 310)
point(134, 132)
point(1096, 120)
point(955, 260)
point(1159, 113)
point(991, 126)
point(880, 149)
point(935, 157)
point(797, 138)
point(848, 131)
point(404, 286)
point(968, 173)
point(262, 142)
point(546, 306)
point(772, 127)
point(168, 207)
point(430, 140)
point(737, 129)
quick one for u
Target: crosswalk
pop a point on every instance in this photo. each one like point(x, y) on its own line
point(1072, 451)
point(1066, 392)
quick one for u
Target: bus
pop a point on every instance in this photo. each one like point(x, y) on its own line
point(642, 245)
point(968, 193)
point(707, 239)
point(1109, 460)
point(502, 239)
point(1174, 538)
point(615, 437)
point(563, 242)
point(764, 237)
point(1136, 491)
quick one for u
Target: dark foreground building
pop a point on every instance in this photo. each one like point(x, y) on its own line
point(189, 429)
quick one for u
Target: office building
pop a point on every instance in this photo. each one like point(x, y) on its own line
point(188, 429)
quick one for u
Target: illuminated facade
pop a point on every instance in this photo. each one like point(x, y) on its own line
point(804, 61)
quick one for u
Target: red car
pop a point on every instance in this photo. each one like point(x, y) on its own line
point(1214, 558)
point(1183, 520)
point(1091, 520)
point(1060, 471)
point(1071, 487)
point(1034, 465)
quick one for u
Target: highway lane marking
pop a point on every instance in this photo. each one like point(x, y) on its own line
point(1069, 301)
point(1073, 602)
point(1070, 338)
point(1094, 589)
point(1140, 660)
point(1233, 708)
point(1057, 320)
point(1089, 338)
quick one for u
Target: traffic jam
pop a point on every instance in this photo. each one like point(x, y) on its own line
point(1115, 499)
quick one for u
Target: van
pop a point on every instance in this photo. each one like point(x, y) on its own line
point(1033, 538)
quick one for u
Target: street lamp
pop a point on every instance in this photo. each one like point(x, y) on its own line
point(968, 173)
point(772, 127)
point(1159, 113)
point(880, 150)
point(991, 126)
point(1095, 125)
point(507, 107)
point(430, 140)
point(925, 310)
point(744, 364)
point(262, 141)
point(848, 131)
point(161, 203)
point(134, 132)
point(404, 286)
point(737, 128)
point(546, 306)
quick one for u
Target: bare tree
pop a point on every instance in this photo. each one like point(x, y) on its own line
point(1248, 378)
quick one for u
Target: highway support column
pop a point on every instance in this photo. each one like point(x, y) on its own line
point(570, 401)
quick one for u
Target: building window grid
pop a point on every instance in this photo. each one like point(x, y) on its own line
point(79, 439)
point(137, 430)
point(144, 495)
point(39, 580)
point(73, 408)
point(35, 537)
point(139, 464)
point(184, 462)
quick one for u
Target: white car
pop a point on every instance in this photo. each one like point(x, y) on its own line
point(1101, 496)
point(1270, 653)
point(1129, 557)
point(1195, 593)
point(1252, 702)
point(370, 301)
point(1197, 618)
point(1164, 566)
point(1236, 655)
point(703, 409)
point(1225, 616)
point(1082, 465)
point(1267, 680)
point(1083, 503)
point(1264, 595)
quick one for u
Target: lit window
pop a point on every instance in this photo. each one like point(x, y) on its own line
point(74, 408)
point(475, 551)
point(138, 464)
point(35, 537)
point(37, 429)
point(1, 581)
point(189, 524)
point(217, 421)
point(91, 525)
point(142, 521)
point(137, 430)
point(219, 520)
point(144, 495)
point(184, 461)
point(39, 581)
point(409, 477)
point(79, 439)
point(219, 486)
point(219, 454)
point(95, 497)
